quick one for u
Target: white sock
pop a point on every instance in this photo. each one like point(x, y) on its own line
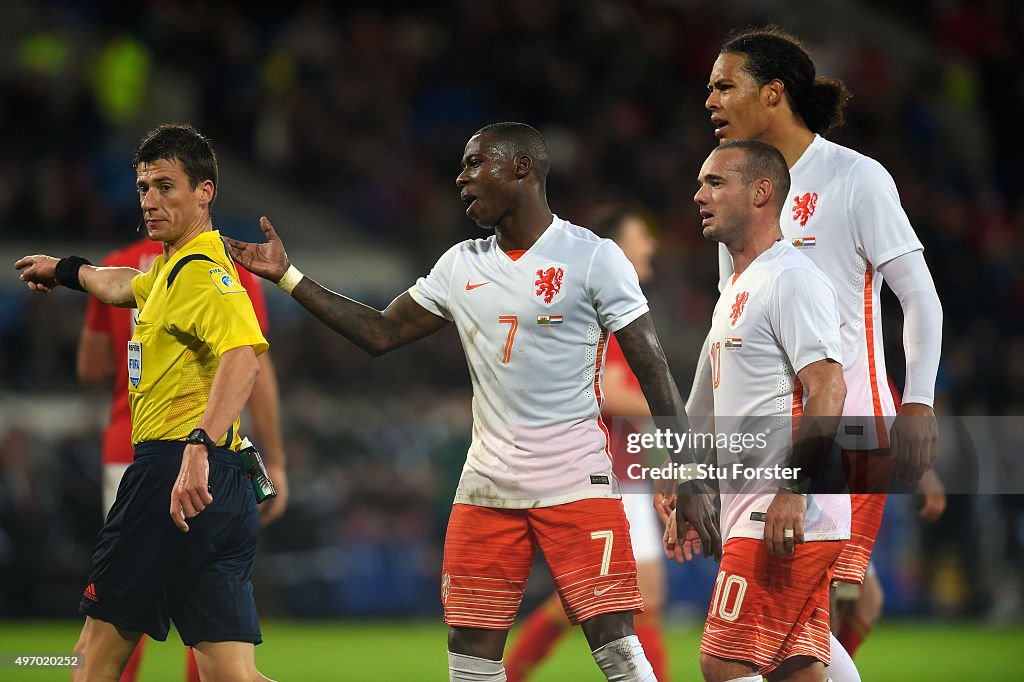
point(462, 668)
point(751, 678)
point(841, 669)
point(624, 661)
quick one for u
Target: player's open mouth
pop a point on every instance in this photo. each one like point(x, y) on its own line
point(705, 216)
point(720, 125)
point(467, 199)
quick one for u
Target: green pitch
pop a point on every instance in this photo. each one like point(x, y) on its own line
point(315, 651)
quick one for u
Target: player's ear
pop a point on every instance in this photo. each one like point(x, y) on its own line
point(207, 190)
point(524, 164)
point(763, 192)
point(774, 91)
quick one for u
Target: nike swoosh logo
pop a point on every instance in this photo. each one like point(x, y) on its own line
point(470, 287)
point(600, 593)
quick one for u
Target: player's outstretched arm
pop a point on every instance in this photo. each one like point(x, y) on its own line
point(643, 351)
point(113, 286)
point(375, 331)
point(267, 260)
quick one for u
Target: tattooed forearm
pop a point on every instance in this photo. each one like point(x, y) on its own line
point(640, 345)
point(373, 331)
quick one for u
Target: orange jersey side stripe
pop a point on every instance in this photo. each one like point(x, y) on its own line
point(798, 406)
point(598, 366)
point(869, 335)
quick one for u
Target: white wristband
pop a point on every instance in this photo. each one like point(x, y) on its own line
point(290, 280)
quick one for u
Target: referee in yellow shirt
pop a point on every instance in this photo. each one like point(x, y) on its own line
point(191, 366)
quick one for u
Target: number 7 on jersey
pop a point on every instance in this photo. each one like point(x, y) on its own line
point(513, 321)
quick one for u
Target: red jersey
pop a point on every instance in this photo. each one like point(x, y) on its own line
point(119, 323)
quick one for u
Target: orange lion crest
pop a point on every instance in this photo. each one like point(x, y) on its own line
point(549, 283)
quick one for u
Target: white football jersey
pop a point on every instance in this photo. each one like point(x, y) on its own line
point(844, 213)
point(770, 322)
point(534, 332)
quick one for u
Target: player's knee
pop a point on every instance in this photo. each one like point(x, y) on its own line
point(872, 600)
point(799, 669)
point(871, 611)
point(78, 673)
point(716, 669)
point(710, 667)
point(105, 650)
point(239, 672)
point(227, 662)
point(83, 640)
point(607, 627)
point(477, 642)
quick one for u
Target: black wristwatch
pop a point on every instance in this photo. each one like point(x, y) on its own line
point(200, 437)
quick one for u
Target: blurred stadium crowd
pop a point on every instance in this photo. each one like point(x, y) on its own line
point(365, 111)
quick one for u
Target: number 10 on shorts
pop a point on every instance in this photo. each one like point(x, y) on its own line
point(723, 590)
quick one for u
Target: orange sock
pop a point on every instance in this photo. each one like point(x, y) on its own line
point(131, 668)
point(536, 638)
point(652, 639)
point(191, 668)
point(852, 633)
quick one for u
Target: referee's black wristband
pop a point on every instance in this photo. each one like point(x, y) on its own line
point(67, 272)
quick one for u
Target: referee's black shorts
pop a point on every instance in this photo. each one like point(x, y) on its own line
point(146, 573)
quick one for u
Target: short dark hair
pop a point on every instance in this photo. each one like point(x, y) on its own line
point(519, 139)
point(762, 160)
point(186, 144)
point(773, 53)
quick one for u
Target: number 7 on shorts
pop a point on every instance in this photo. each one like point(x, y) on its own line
point(608, 537)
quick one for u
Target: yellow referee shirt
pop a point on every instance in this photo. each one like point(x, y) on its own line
point(192, 309)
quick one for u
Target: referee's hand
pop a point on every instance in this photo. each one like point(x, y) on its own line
point(191, 492)
point(39, 272)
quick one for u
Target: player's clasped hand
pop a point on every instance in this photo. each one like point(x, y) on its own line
point(695, 511)
point(680, 550)
point(784, 523)
point(191, 492)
